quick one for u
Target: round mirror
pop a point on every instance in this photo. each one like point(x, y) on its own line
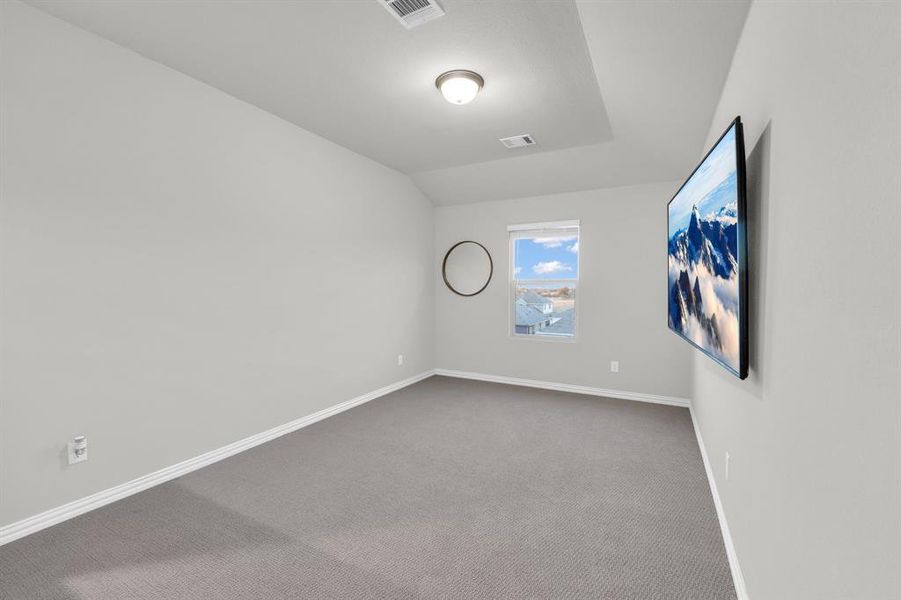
point(467, 268)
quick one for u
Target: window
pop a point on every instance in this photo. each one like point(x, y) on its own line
point(544, 275)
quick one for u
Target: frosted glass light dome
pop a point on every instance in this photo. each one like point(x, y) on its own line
point(459, 87)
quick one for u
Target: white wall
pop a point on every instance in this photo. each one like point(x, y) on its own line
point(180, 269)
point(813, 499)
point(621, 299)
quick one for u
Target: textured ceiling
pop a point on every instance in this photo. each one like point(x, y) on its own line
point(661, 66)
point(615, 92)
point(351, 73)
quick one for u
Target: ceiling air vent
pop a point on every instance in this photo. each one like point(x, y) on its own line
point(518, 141)
point(412, 13)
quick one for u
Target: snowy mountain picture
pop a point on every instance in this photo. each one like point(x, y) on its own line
point(703, 256)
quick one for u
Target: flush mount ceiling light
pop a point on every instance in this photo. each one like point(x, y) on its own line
point(459, 87)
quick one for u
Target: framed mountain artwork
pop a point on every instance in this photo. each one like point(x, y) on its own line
point(707, 255)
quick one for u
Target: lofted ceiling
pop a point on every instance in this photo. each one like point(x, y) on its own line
point(614, 92)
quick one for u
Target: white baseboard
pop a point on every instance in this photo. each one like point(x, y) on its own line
point(566, 387)
point(62, 513)
point(737, 578)
point(56, 515)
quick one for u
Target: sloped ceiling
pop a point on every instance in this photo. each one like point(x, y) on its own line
point(615, 93)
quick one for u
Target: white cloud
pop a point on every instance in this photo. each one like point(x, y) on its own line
point(517, 270)
point(719, 298)
point(574, 248)
point(727, 215)
point(553, 242)
point(552, 266)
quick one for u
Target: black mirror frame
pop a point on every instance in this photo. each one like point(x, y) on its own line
point(444, 269)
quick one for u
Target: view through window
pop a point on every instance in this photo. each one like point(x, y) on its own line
point(544, 278)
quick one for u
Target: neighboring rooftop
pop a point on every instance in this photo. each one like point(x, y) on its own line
point(526, 315)
point(565, 324)
point(533, 297)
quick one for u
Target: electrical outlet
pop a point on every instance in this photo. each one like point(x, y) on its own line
point(614, 366)
point(78, 449)
point(400, 360)
point(728, 458)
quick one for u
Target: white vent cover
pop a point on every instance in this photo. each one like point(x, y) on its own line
point(518, 141)
point(412, 13)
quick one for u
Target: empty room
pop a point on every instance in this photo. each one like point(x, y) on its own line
point(450, 299)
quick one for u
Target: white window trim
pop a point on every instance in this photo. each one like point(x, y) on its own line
point(555, 338)
point(547, 225)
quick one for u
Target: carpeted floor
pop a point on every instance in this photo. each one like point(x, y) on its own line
point(446, 489)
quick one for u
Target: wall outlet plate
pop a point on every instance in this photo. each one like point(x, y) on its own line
point(614, 366)
point(400, 359)
point(76, 459)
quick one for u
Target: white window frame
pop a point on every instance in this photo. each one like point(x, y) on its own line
point(515, 232)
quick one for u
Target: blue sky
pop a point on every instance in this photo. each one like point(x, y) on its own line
point(547, 258)
point(717, 168)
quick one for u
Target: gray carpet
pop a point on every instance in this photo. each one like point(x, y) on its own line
point(445, 489)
